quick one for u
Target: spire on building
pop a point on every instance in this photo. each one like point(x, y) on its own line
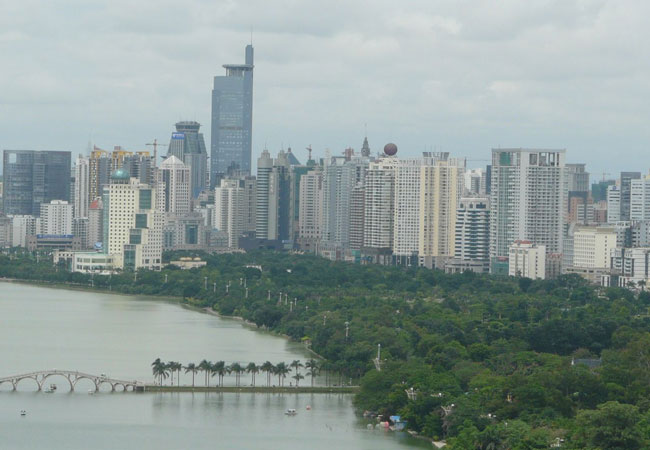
point(365, 148)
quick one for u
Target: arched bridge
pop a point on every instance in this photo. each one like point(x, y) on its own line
point(73, 378)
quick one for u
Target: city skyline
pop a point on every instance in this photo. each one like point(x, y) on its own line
point(472, 82)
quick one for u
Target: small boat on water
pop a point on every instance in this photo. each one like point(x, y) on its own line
point(48, 390)
point(53, 386)
point(291, 412)
point(23, 412)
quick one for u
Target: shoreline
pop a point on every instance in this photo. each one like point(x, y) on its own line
point(255, 389)
point(171, 299)
point(85, 288)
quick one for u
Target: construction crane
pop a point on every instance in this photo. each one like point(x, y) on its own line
point(604, 174)
point(155, 145)
point(309, 150)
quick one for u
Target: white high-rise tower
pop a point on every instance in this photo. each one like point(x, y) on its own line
point(528, 199)
point(176, 178)
point(81, 186)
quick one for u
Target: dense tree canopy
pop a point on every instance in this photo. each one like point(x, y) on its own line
point(483, 362)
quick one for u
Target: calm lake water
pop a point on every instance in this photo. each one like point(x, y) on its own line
point(42, 328)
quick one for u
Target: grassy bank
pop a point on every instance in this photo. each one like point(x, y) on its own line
point(257, 389)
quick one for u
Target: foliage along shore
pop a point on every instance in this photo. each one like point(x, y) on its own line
point(489, 360)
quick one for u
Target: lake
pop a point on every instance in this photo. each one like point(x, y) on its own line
point(45, 328)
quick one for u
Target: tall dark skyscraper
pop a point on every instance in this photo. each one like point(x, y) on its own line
point(33, 177)
point(232, 120)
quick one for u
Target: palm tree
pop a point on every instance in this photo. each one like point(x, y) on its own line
point(253, 369)
point(158, 369)
point(176, 367)
point(238, 369)
point(313, 368)
point(298, 376)
point(281, 370)
point(296, 364)
point(220, 368)
point(268, 367)
point(204, 366)
point(642, 284)
point(191, 367)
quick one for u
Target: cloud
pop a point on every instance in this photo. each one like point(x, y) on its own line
point(463, 75)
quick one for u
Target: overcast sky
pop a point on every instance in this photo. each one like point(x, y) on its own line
point(460, 76)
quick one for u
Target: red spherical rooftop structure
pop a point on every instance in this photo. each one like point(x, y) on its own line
point(390, 149)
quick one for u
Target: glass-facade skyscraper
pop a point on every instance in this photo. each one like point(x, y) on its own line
point(33, 177)
point(232, 120)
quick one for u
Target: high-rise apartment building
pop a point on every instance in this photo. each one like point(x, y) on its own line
point(175, 190)
point(406, 220)
point(138, 164)
point(640, 199)
point(187, 145)
point(56, 218)
point(81, 186)
point(229, 209)
point(21, 227)
point(577, 178)
point(80, 231)
point(472, 237)
point(232, 119)
point(33, 177)
point(95, 223)
point(100, 172)
point(274, 212)
point(310, 209)
point(249, 185)
point(134, 228)
point(264, 169)
point(340, 176)
point(613, 204)
point(441, 187)
point(357, 213)
point(528, 199)
point(626, 192)
point(379, 213)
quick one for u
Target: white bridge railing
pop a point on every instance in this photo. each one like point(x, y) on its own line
point(73, 378)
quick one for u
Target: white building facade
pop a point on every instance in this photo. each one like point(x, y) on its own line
point(528, 199)
point(56, 218)
point(526, 259)
point(81, 187)
point(135, 226)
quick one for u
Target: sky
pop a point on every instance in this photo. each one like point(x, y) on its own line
point(459, 76)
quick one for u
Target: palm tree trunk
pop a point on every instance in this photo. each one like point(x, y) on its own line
point(192, 379)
